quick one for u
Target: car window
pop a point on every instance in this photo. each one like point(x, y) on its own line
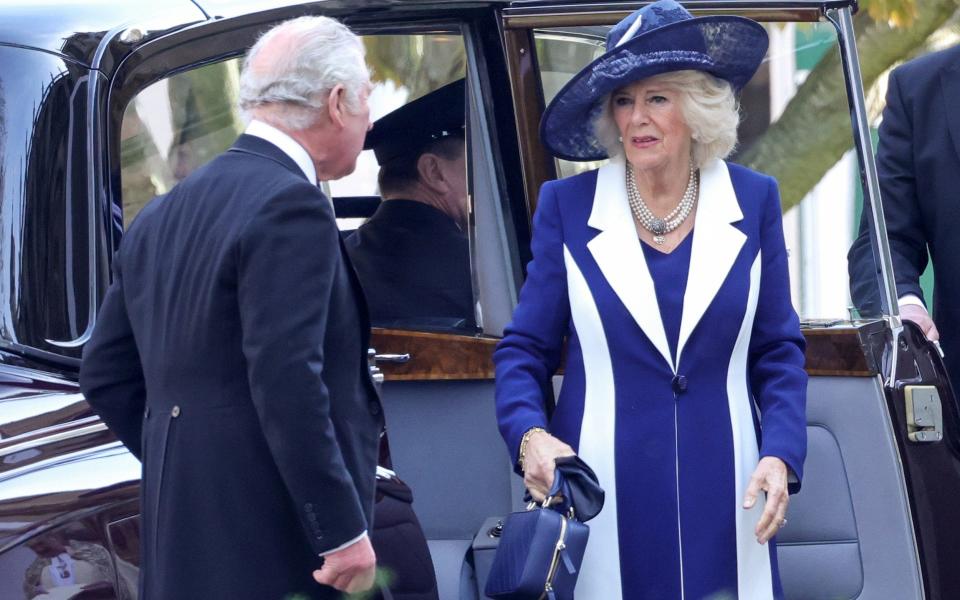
point(174, 126)
point(412, 253)
point(820, 191)
point(48, 290)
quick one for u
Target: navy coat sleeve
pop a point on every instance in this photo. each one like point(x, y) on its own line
point(778, 380)
point(898, 191)
point(287, 259)
point(111, 376)
point(530, 351)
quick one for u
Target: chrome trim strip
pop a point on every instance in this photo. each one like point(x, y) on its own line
point(843, 21)
point(56, 437)
point(63, 459)
point(46, 430)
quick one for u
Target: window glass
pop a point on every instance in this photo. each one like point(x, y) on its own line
point(411, 250)
point(795, 130)
point(413, 254)
point(561, 53)
point(174, 126)
point(45, 297)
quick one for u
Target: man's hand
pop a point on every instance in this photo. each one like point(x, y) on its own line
point(538, 462)
point(351, 569)
point(769, 476)
point(919, 315)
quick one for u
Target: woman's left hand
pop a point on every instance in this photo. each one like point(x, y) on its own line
point(770, 476)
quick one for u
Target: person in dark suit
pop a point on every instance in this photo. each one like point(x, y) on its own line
point(918, 162)
point(413, 256)
point(230, 350)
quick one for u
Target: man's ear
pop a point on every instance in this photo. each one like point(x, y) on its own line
point(431, 173)
point(336, 104)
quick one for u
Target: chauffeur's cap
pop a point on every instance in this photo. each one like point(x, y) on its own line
point(407, 130)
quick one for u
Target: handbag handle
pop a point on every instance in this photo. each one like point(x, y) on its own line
point(574, 484)
point(558, 498)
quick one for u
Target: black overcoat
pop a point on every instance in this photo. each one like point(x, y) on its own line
point(414, 264)
point(230, 356)
point(918, 162)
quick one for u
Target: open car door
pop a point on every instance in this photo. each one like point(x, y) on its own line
point(874, 517)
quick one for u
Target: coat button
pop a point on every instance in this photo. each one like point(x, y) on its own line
point(679, 384)
point(175, 412)
point(374, 408)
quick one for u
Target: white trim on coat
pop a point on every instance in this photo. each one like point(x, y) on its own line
point(754, 578)
point(617, 250)
point(600, 571)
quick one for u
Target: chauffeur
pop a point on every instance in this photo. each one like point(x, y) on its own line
point(412, 256)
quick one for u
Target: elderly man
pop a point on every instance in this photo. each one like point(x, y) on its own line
point(230, 351)
point(412, 256)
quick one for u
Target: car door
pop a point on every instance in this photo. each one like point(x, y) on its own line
point(865, 523)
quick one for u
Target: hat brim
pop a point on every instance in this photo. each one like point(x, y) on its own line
point(733, 49)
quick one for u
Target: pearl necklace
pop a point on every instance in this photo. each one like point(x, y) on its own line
point(658, 226)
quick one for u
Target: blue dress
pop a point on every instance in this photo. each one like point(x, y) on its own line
point(667, 380)
point(669, 273)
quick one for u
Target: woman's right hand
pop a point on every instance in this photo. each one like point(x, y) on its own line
point(541, 451)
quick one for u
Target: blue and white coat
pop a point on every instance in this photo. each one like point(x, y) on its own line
point(673, 442)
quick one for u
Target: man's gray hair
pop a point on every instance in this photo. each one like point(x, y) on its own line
point(323, 53)
point(709, 108)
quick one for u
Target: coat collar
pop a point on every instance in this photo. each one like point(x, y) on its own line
point(257, 146)
point(617, 250)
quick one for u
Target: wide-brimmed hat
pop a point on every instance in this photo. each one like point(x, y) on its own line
point(658, 38)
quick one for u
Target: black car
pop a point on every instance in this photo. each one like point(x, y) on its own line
point(105, 104)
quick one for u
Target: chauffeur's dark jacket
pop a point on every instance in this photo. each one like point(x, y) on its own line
point(414, 264)
point(918, 162)
point(230, 356)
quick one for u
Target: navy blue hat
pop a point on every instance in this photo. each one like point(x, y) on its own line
point(409, 129)
point(658, 38)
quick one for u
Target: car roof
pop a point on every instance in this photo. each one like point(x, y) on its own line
point(74, 30)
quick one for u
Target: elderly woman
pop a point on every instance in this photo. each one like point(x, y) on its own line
point(666, 272)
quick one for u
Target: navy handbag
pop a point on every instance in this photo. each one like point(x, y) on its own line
point(541, 548)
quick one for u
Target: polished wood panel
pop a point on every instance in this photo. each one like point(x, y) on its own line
point(434, 356)
point(441, 356)
point(836, 351)
point(537, 165)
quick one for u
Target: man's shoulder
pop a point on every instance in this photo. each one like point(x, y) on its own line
point(928, 65)
point(236, 182)
point(401, 225)
point(254, 178)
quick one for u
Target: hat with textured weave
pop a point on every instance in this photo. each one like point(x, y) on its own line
point(658, 38)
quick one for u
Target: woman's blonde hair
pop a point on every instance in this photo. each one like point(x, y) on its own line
point(709, 108)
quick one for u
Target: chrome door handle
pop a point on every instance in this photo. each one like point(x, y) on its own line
point(392, 358)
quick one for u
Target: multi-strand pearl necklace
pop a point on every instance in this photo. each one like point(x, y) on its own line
point(658, 226)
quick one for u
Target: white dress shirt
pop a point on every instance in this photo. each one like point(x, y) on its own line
point(287, 145)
